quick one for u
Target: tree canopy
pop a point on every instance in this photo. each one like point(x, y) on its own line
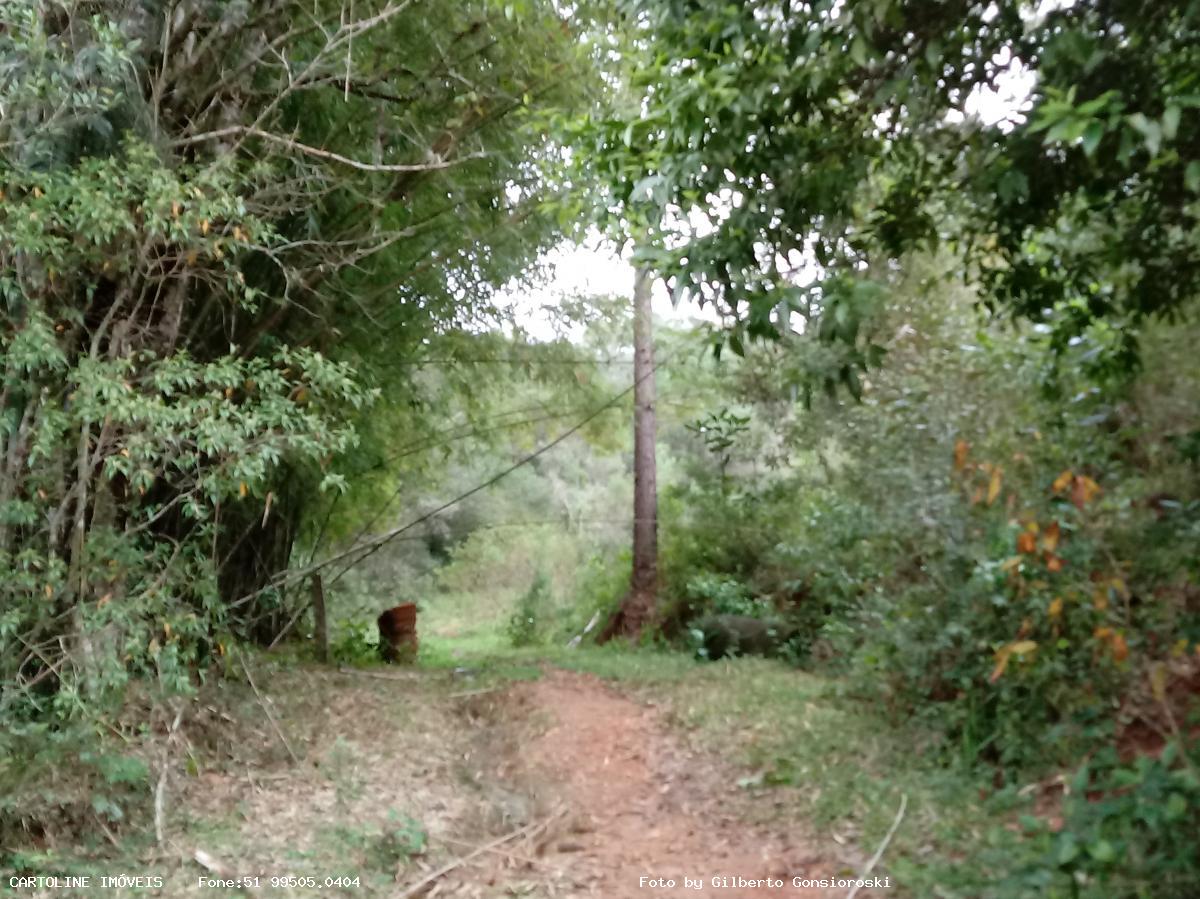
point(785, 154)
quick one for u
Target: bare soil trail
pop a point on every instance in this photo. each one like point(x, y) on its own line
point(636, 803)
point(432, 784)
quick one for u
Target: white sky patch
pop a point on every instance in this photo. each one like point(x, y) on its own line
point(1005, 105)
point(593, 268)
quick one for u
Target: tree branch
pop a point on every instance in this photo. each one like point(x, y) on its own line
point(245, 131)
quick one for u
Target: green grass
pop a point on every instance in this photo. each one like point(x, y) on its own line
point(490, 654)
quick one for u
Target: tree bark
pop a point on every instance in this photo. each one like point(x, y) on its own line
point(320, 620)
point(638, 607)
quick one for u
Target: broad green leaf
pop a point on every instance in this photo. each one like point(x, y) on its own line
point(1170, 122)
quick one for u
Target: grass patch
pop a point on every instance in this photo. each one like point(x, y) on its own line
point(490, 657)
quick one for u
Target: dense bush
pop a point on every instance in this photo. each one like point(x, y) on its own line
point(1127, 829)
point(999, 549)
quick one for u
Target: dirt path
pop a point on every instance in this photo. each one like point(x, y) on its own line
point(423, 784)
point(635, 803)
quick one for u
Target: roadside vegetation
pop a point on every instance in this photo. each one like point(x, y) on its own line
point(925, 584)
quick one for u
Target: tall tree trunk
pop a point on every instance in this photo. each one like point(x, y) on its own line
point(638, 606)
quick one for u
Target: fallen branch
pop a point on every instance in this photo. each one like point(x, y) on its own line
point(578, 638)
point(424, 882)
point(287, 627)
point(342, 669)
point(161, 789)
point(267, 709)
point(496, 850)
point(463, 694)
point(882, 846)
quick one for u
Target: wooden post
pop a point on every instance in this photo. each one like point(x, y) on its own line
point(320, 622)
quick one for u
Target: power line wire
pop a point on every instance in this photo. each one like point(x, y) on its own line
point(508, 360)
point(373, 546)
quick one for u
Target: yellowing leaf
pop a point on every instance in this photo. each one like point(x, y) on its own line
point(1010, 564)
point(1120, 649)
point(1053, 563)
point(1026, 542)
point(204, 226)
point(1063, 481)
point(1158, 682)
point(49, 591)
point(243, 489)
point(1004, 653)
point(1050, 537)
point(1056, 607)
point(994, 485)
point(1084, 491)
point(1100, 598)
point(961, 448)
point(167, 629)
point(1001, 665)
point(1180, 647)
point(176, 208)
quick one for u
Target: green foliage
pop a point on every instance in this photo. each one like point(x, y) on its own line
point(99, 784)
point(355, 642)
point(722, 595)
point(1126, 831)
point(527, 624)
point(720, 431)
point(974, 547)
point(821, 144)
point(213, 262)
point(380, 848)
